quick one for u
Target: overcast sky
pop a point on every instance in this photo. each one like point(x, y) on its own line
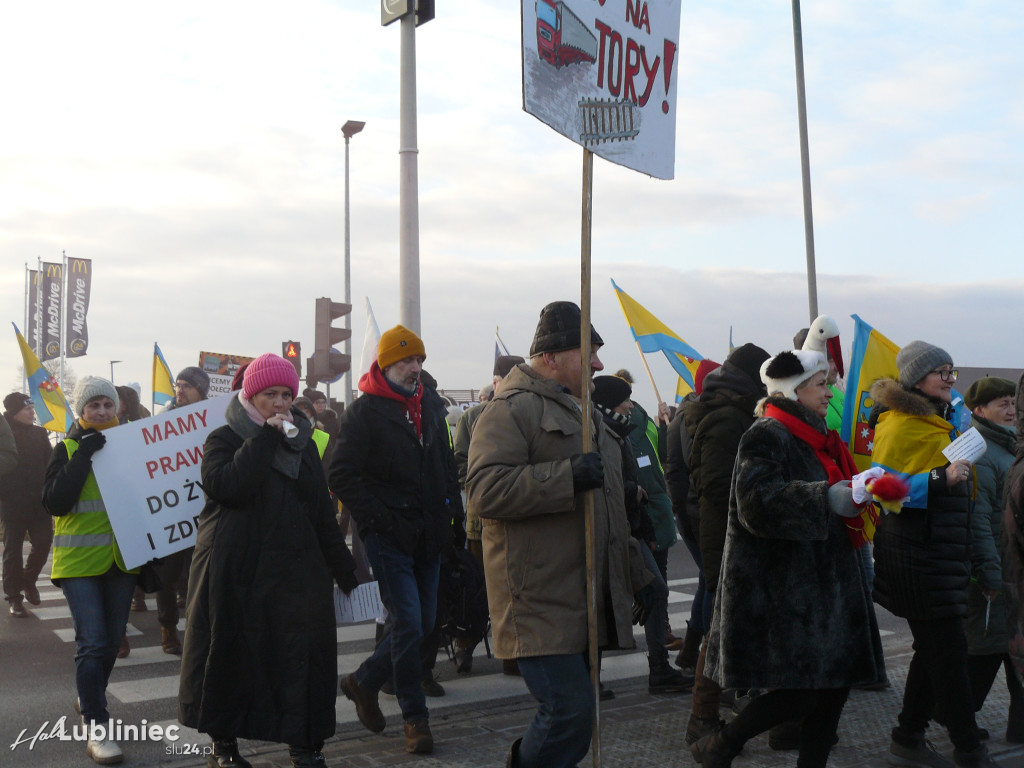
point(193, 151)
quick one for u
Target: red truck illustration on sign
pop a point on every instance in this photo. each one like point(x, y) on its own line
point(561, 37)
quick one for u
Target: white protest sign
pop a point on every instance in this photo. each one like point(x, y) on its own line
point(603, 73)
point(149, 472)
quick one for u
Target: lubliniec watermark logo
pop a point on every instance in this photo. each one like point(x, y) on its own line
point(114, 730)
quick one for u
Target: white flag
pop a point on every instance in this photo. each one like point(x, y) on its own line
point(371, 340)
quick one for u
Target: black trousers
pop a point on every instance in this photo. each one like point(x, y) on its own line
point(16, 572)
point(173, 572)
point(818, 709)
point(982, 672)
point(938, 681)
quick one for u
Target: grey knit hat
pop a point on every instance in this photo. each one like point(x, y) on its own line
point(917, 359)
point(198, 378)
point(91, 387)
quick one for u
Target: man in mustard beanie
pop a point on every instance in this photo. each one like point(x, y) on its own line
point(393, 469)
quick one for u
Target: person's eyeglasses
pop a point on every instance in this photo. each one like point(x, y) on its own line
point(947, 374)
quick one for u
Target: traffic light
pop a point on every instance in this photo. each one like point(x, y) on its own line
point(327, 364)
point(292, 352)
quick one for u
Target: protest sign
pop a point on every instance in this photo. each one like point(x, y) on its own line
point(603, 74)
point(221, 370)
point(149, 473)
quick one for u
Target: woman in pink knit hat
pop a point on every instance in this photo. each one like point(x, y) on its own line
point(260, 658)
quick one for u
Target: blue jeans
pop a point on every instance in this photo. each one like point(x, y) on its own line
point(408, 589)
point(99, 607)
point(559, 735)
point(657, 619)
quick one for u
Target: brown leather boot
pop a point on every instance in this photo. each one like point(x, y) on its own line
point(418, 739)
point(125, 649)
point(169, 640)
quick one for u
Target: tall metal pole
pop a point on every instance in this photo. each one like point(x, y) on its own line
point(805, 162)
point(408, 190)
point(349, 129)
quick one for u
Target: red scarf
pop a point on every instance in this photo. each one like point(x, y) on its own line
point(375, 383)
point(833, 454)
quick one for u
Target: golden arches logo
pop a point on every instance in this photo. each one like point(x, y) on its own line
point(80, 265)
point(53, 270)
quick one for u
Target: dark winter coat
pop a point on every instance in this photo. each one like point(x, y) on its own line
point(640, 526)
point(391, 482)
point(260, 656)
point(791, 609)
point(643, 441)
point(1013, 539)
point(986, 534)
point(715, 423)
point(8, 448)
point(921, 554)
point(21, 492)
point(678, 453)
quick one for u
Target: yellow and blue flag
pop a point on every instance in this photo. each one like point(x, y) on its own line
point(163, 382)
point(51, 406)
point(873, 357)
point(652, 335)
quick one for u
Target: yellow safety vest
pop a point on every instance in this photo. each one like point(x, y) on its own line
point(83, 541)
point(321, 439)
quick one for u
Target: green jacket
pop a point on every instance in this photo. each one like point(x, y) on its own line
point(651, 477)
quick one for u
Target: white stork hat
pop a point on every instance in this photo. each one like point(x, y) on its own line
point(786, 371)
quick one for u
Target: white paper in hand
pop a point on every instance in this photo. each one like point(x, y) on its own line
point(970, 446)
point(362, 604)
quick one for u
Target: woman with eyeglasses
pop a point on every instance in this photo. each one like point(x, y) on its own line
point(922, 566)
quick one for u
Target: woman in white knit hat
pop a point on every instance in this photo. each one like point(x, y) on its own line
point(87, 563)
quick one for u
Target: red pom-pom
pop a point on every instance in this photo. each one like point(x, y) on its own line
point(889, 487)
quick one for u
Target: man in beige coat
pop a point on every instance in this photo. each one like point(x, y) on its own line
point(527, 477)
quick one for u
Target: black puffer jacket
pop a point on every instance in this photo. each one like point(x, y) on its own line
point(678, 453)
point(716, 422)
point(391, 482)
point(922, 564)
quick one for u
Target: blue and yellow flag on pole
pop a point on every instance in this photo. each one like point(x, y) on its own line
point(652, 335)
point(873, 357)
point(163, 382)
point(51, 406)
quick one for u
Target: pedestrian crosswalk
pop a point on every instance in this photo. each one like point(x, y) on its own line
point(158, 682)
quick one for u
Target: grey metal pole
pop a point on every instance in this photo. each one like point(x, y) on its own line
point(408, 191)
point(805, 162)
point(347, 379)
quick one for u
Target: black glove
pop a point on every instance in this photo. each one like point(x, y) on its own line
point(91, 442)
point(643, 604)
point(587, 471)
point(347, 582)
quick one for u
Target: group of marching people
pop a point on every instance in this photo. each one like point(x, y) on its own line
point(768, 498)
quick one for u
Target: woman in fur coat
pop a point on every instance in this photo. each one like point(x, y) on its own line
point(792, 614)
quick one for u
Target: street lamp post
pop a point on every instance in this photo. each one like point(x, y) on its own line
point(349, 129)
point(112, 362)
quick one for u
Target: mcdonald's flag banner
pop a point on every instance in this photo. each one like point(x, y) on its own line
point(652, 335)
point(51, 406)
point(79, 288)
point(163, 381)
point(53, 289)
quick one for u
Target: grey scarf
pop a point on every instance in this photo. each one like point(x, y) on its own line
point(288, 454)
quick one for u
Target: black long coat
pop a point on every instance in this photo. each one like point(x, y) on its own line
point(791, 609)
point(260, 656)
point(21, 492)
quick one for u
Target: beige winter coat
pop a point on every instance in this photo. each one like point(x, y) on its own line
point(520, 482)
